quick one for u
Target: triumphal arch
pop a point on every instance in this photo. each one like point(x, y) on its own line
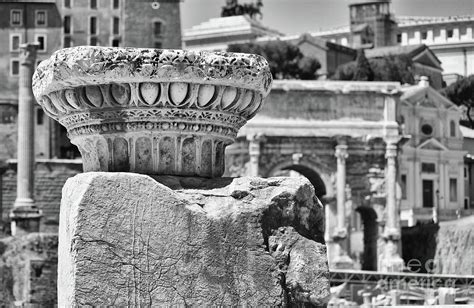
point(344, 137)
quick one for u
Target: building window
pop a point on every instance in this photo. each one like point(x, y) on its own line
point(403, 184)
point(115, 43)
point(93, 41)
point(466, 203)
point(452, 129)
point(115, 4)
point(41, 40)
point(424, 35)
point(428, 167)
point(16, 17)
point(14, 67)
point(39, 116)
point(15, 42)
point(93, 4)
point(67, 3)
point(116, 26)
point(427, 129)
point(93, 25)
point(450, 33)
point(67, 24)
point(158, 45)
point(399, 38)
point(67, 42)
point(40, 18)
point(157, 28)
point(453, 190)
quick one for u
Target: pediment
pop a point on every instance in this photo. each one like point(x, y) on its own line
point(432, 144)
point(426, 57)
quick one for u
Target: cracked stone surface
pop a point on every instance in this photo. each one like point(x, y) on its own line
point(130, 240)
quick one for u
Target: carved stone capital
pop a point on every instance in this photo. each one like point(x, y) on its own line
point(391, 234)
point(28, 53)
point(341, 153)
point(391, 150)
point(296, 158)
point(339, 234)
point(152, 111)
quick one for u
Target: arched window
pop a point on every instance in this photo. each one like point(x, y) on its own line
point(452, 129)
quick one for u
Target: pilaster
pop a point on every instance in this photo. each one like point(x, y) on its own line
point(254, 153)
point(340, 236)
point(390, 259)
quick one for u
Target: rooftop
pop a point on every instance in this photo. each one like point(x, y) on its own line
point(393, 50)
point(404, 21)
point(27, 1)
point(221, 25)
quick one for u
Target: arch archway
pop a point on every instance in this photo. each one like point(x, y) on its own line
point(306, 170)
point(370, 237)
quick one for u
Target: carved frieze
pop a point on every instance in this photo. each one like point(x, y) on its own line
point(149, 110)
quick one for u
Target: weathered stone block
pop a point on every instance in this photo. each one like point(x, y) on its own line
point(129, 239)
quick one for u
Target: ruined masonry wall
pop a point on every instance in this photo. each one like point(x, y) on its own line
point(50, 176)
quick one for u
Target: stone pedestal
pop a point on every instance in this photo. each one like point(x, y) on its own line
point(128, 240)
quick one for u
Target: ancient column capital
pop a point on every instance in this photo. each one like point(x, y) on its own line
point(152, 111)
point(391, 234)
point(339, 234)
point(296, 158)
point(391, 150)
point(341, 153)
point(28, 53)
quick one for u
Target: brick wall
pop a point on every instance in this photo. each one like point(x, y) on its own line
point(50, 176)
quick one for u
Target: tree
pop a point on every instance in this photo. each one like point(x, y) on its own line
point(363, 71)
point(462, 94)
point(389, 68)
point(233, 8)
point(286, 60)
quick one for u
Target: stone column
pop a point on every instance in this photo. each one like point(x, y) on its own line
point(391, 260)
point(167, 231)
point(254, 152)
point(342, 259)
point(25, 215)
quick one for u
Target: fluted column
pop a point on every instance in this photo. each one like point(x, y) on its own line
point(391, 260)
point(342, 259)
point(254, 152)
point(25, 215)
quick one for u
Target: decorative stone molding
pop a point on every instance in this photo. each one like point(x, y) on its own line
point(152, 111)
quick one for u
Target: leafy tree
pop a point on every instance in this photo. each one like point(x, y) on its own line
point(286, 60)
point(393, 68)
point(363, 71)
point(389, 68)
point(233, 8)
point(462, 94)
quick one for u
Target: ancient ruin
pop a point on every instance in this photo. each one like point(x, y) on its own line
point(175, 233)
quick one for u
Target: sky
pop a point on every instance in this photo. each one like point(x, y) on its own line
point(298, 16)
